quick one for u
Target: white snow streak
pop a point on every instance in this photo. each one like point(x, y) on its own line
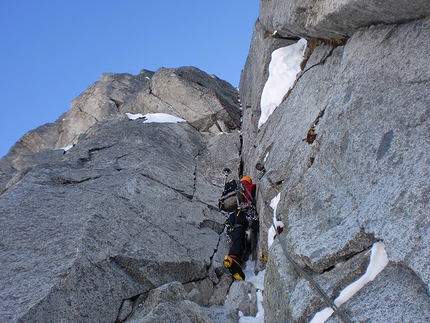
point(155, 118)
point(271, 232)
point(161, 118)
point(378, 261)
point(258, 282)
point(66, 148)
point(132, 116)
point(283, 69)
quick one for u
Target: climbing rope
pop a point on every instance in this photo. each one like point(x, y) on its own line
point(342, 316)
point(313, 283)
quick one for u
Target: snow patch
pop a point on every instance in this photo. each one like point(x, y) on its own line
point(155, 117)
point(161, 118)
point(283, 68)
point(132, 116)
point(378, 261)
point(258, 282)
point(271, 234)
point(66, 148)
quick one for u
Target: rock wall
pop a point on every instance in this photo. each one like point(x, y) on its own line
point(124, 227)
point(347, 150)
point(129, 213)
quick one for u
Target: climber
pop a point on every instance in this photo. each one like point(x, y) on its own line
point(239, 221)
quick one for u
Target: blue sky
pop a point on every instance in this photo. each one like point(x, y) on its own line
point(51, 51)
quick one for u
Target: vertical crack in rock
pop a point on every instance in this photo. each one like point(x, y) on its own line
point(67, 181)
point(317, 120)
point(199, 153)
point(216, 248)
point(311, 137)
point(313, 44)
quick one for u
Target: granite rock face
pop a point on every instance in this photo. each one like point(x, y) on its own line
point(347, 151)
point(252, 82)
point(205, 101)
point(87, 233)
point(124, 226)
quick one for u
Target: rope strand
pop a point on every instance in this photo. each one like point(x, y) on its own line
point(313, 283)
point(343, 317)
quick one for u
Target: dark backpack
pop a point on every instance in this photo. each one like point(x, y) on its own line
point(232, 196)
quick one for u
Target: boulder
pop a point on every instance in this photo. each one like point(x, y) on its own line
point(197, 97)
point(220, 314)
point(168, 303)
point(242, 297)
point(100, 101)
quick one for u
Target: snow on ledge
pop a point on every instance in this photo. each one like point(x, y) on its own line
point(155, 118)
point(378, 261)
point(132, 116)
point(161, 118)
point(283, 68)
point(271, 232)
point(66, 148)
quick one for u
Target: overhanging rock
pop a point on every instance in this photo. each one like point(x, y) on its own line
point(336, 19)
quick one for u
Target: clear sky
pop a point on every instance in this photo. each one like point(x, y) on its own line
point(51, 50)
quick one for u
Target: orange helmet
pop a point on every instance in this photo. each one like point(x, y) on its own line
point(246, 179)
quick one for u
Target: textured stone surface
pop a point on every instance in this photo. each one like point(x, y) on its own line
point(197, 97)
point(220, 314)
point(168, 303)
point(112, 218)
point(205, 101)
point(90, 235)
point(396, 295)
point(252, 81)
point(336, 19)
point(365, 177)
